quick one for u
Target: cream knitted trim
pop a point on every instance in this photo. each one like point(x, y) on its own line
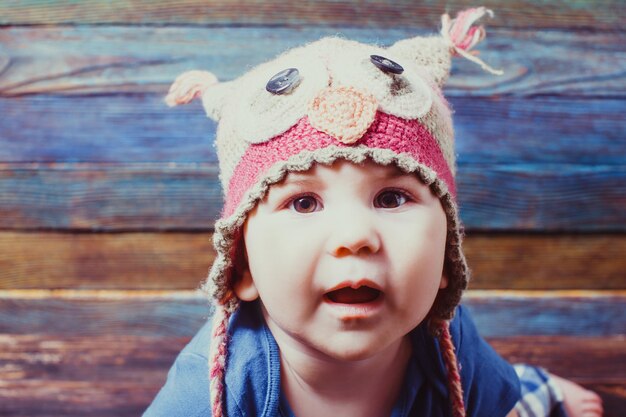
point(217, 284)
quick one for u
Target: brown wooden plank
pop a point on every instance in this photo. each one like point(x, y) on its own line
point(104, 261)
point(101, 375)
point(47, 374)
point(141, 197)
point(114, 261)
point(171, 261)
point(521, 14)
point(598, 364)
point(586, 360)
point(177, 314)
point(549, 262)
point(113, 59)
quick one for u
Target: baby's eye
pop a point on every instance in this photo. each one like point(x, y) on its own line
point(305, 204)
point(390, 199)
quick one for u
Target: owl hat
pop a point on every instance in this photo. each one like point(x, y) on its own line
point(327, 100)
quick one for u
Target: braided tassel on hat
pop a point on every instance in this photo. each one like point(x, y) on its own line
point(455, 389)
point(462, 36)
point(217, 360)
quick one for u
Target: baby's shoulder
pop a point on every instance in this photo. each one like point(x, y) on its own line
point(199, 344)
point(186, 390)
point(490, 383)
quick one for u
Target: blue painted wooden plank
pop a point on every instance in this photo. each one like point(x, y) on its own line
point(140, 128)
point(505, 315)
point(521, 14)
point(188, 197)
point(539, 130)
point(107, 59)
point(120, 128)
point(544, 198)
point(498, 314)
point(97, 197)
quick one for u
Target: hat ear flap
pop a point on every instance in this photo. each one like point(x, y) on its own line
point(200, 84)
point(458, 36)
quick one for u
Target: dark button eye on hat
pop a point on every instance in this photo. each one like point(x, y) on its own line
point(284, 81)
point(386, 64)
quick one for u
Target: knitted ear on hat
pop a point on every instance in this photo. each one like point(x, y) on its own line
point(457, 37)
point(199, 84)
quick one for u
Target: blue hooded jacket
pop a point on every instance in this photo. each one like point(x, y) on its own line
point(490, 384)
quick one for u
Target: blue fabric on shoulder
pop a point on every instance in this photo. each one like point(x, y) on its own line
point(252, 373)
point(490, 384)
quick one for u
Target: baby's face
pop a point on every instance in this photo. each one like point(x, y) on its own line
point(347, 259)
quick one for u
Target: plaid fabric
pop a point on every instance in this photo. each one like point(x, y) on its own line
point(540, 396)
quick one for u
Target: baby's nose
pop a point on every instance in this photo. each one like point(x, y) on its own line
point(353, 233)
point(345, 113)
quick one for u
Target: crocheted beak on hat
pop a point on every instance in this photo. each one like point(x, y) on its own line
point(345, 113)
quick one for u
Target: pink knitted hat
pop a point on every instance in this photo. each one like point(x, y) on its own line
point(335, 99)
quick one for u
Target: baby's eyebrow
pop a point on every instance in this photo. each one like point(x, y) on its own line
point(410, 180)
point(391, 174)
point(301, 181)
point(394, 174)
point(293, 183)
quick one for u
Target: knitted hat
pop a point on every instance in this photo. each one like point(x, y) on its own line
point(327, 100)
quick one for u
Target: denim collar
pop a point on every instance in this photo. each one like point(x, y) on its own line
point(253, 371)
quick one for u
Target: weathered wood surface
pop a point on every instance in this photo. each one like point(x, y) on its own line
point(595, 363)
point(105, 261)
point(108, 60)
point(47, 374)
point(86, 144)
point(139, 128)
point(181, 313)
point(107, 353)
point(577, 313)
point(179, 261)
point(546, 262)
point(546, 198)
point(124, 123)
point(534, 14)
point(603, 360)
point(187, 196)
point(29, 353)
point(98, 375)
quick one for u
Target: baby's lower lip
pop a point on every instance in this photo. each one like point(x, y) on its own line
point(354, 310)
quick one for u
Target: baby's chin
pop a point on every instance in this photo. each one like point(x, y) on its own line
point(357, 346)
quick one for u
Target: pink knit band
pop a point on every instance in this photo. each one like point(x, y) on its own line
point(386, 132)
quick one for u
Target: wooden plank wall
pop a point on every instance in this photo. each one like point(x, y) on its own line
point(107, 197)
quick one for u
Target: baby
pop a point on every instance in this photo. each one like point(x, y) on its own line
point(339, 268)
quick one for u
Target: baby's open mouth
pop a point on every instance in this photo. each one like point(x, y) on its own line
point(348, 295)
